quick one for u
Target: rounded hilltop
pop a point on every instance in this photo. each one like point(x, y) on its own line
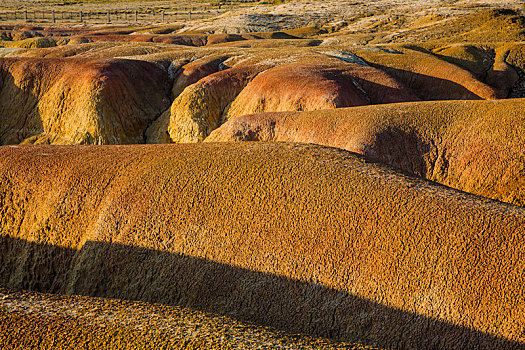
point(262, 174)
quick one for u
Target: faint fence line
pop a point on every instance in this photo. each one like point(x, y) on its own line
point(115, 16)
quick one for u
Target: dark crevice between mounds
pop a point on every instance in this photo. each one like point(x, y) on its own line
point(181, 76)
point(171, 73)
point(423, 85)
point(127, 272)
point(480, 73)
point(518, 90)
point(405, 150)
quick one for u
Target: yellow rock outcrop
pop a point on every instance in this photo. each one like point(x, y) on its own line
point(78, 101)
point(199, 109)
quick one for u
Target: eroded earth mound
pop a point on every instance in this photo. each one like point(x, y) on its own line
point(78, 101)
point(30, 320)
point(302, 238)
point(308, 87)
point(405, 244)
point(474, 146)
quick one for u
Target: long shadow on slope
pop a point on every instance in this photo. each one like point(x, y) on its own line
point(471, 66)
point(128, 272)
point(429, 88)
point(19, 115)
point(478, 71)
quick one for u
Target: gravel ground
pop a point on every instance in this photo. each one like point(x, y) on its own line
point(296, 14)
point(45, 321)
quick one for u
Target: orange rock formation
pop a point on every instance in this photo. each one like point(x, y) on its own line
point(307, 87)
point(78, 101)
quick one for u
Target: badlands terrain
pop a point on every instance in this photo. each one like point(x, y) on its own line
point(274, 174)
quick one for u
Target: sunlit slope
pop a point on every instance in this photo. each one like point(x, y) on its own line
point(300, 237)
point(171, 93)
point(314, 86)
point(78, 101)
point(474, 146)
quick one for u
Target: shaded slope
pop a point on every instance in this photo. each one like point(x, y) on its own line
point(514, 54)
point(474, 146)
point(324, 80)
point(303, 238)
point(194, 71)
point(77, 101)
point(430, 77)
point(489, 65)
point(309, 86)
point(184, 75)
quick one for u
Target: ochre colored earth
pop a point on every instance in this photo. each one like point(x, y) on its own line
point(49, 321)
point(474, 146)
point(376, 199)
point(274, 234)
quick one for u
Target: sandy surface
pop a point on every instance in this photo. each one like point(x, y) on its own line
point(454, 255)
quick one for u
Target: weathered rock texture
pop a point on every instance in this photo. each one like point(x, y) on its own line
point(331, 79)
point(307, 87)
point(187, 73)
point(188, 40)
point(474, 146)
point(75, 101)
point(174, 39)
point(194, 71)
point(216, 83)
point(301, 237)
point(488, 65)
point(199, 109)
